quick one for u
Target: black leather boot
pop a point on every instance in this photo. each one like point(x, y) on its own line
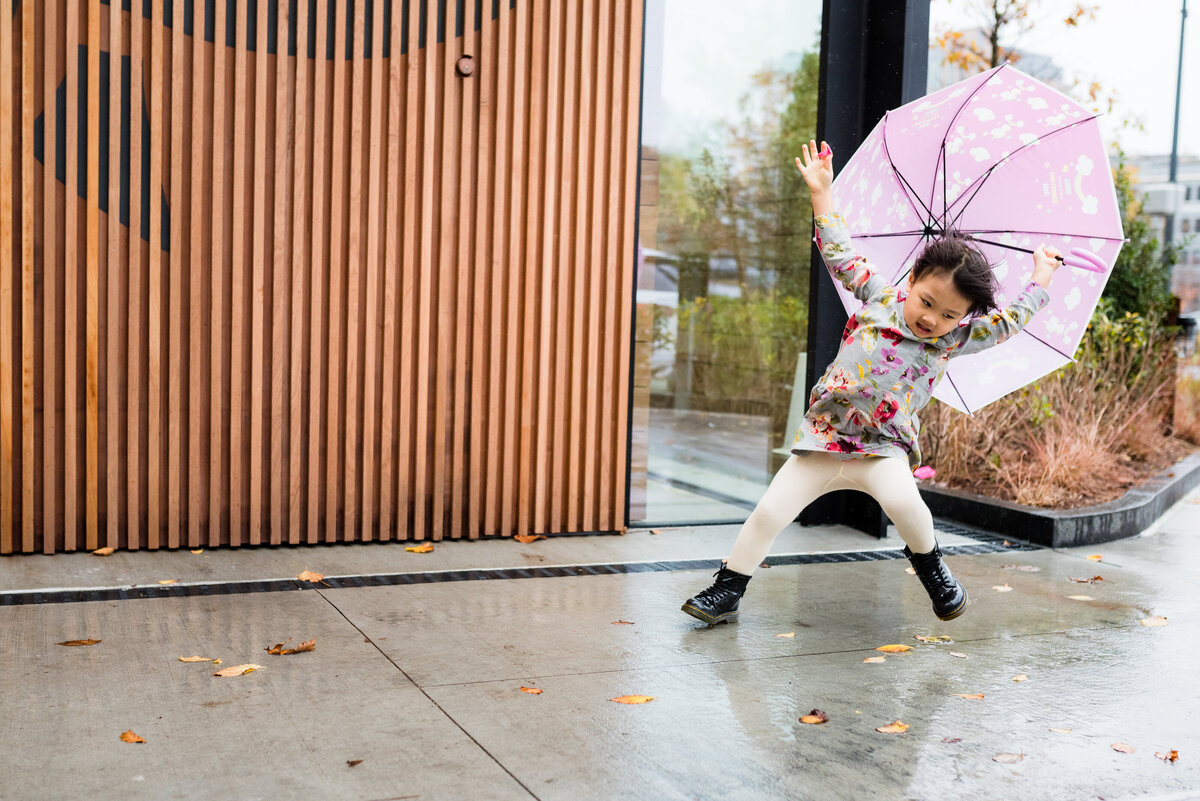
point(948, 595)
point(719, 603)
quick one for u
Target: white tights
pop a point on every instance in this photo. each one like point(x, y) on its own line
point(803, 479)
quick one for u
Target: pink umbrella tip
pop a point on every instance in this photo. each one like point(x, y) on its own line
point(924, 472)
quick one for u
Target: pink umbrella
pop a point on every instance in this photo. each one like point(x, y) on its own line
point(1013, 163)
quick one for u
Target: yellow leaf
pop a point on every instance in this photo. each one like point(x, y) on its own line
point(894, 649)
point(1081, 597)
point(237, 670)
point(1170, 756)
point(130, 737)
point(198, 551)
point(1096, 557)
point(633, 699)
point(426, 548)
point(1002, 588)
point(1124, 748)
point(938, 638)
point(1020, 677)
point(1061, 731)
point(910, 571)
point(524, 539)
point(1008, 758)
point(972, 697)
point(81, 642)
point(815, 717)
point(789, 634)
point(197, 659)
point(895, 727)
point(278, 650)
point(1153, 621)
point(104, 552)
point(531, 690)
point(309, 575)
point(168, 581)
point(875, 660)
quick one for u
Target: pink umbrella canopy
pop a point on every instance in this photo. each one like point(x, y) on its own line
point(1013, 163)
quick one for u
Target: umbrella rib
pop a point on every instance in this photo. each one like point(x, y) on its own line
point(1030, 250)
point(981, 180)
point(906, 258)
point(897, 233)
point(954, 386)
point(1047, 344)
point(910, 193)
point(946, 134)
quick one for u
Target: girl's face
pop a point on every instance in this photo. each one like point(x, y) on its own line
point(934, 307)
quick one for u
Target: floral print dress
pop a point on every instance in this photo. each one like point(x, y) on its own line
point(866, 404)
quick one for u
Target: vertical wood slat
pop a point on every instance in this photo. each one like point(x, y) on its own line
point(449, 264)
point(28, 213)
point(7, 259)
point(50, 270)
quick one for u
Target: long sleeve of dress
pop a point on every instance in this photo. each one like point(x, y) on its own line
point(850, 269)
point(991, 329)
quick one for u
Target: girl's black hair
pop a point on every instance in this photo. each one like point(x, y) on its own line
point(955, 254)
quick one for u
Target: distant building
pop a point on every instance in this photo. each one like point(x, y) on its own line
point(1179, 202)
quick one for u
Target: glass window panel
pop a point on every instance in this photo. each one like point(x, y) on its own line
point(725, 225)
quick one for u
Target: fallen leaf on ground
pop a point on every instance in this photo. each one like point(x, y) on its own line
point(104, 552)
point(789, 635)
point(1124, 748)
point(938, 638)
point(1091, 580)
point(524, 539)
point(198, 659)
point(130, 737)
point(894, 649)
point(353, 762)
point(622, 623)
point(1096, 557)
point(531, 690)
point(1008, 759)
point(875, 660)
point(815, 717)
point(198, 551)
point(1170, 756)
point(1061, 731)
point(1153, 621)
point(81, 642)
point(309, 575)
point(1001, 588)
point(237, 670)
point(426, 548)
point(633, 699)
point(656, 531)
point(278, 650)
point(895, 727)
point(1081, 597)
point(1020, 677)
point(1007, 544)
point(973, 697)
point(951, 739)
point(910, 571)
point(957, 654)
point(1023, 568)
point(168, 581)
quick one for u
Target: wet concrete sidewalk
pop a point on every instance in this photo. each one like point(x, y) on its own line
point(422, 682)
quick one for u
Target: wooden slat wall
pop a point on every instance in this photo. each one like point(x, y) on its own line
point(328, 300)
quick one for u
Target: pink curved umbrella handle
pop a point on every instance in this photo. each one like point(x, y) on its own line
point(825, 153)
point(1084, 260)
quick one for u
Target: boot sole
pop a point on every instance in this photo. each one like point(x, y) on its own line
point(700, 614)
point(958, 610)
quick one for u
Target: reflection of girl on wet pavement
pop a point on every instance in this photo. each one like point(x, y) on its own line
point(860, 430)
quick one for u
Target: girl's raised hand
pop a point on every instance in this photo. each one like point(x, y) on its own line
point(816, 167)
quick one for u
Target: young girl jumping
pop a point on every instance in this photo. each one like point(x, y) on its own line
point(860, 431)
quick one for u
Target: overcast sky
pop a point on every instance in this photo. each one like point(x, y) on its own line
point(1131, 48)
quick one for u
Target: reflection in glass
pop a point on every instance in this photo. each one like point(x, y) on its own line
point(729, 94)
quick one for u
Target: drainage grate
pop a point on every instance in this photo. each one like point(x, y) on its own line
point(985, 542)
